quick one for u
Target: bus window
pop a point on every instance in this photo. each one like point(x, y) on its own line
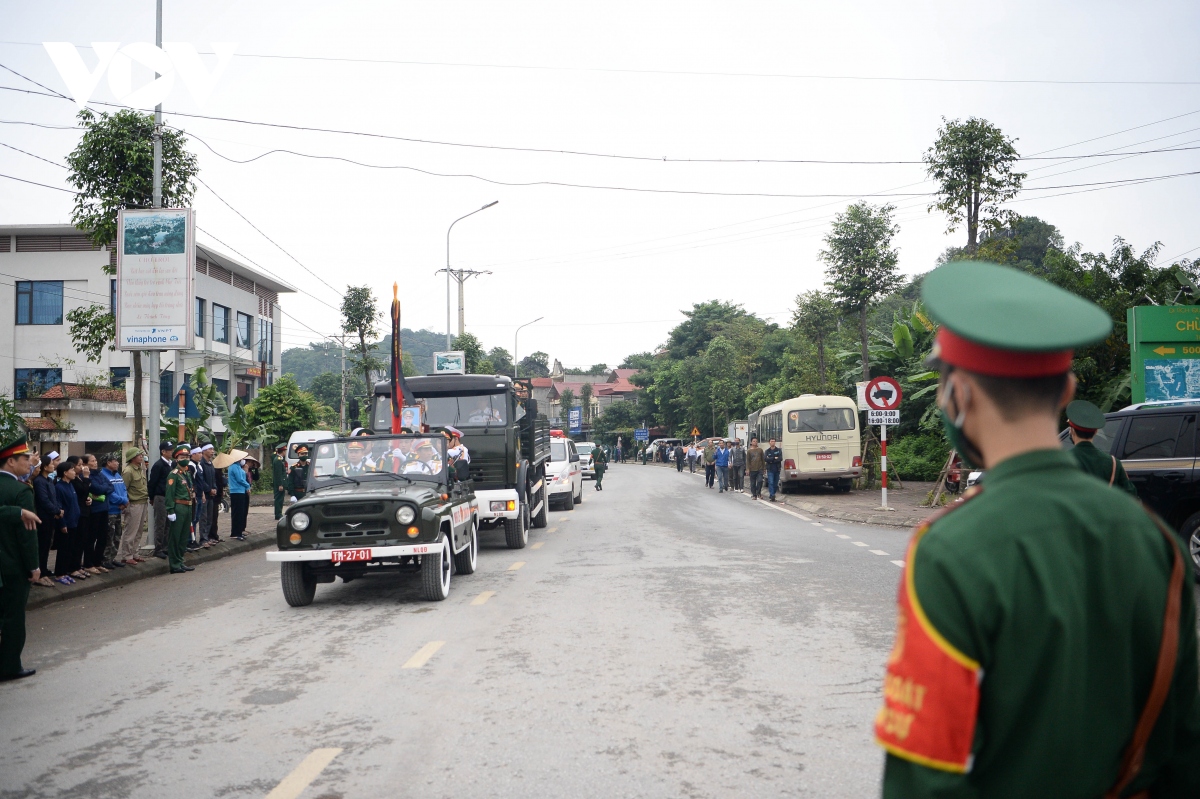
point(820, 420)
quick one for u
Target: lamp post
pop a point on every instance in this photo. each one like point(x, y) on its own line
point(461, 276)
point(516, 360)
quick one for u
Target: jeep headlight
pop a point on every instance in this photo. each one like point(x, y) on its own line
point(405, 514)
point(300, 521)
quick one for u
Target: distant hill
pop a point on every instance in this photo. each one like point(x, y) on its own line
point(308, 362)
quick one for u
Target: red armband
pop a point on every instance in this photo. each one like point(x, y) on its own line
point(931, 690)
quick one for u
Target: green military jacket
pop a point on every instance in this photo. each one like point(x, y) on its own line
point(18, 546)
point(278, 472)
point(1028, 633)
point(599, 460)
point(1102, 465)
point(179, 487)
point(297, 480)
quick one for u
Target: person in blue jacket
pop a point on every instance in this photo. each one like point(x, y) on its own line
point(118, 498)
point(69, 547)
point(97, 537)
point(721, 458)
point(239, 500)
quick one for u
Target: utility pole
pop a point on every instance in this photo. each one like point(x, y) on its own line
point(342, 341)
point(152, 357)
point(460, 275)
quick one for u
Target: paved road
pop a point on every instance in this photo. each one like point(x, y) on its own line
point(659, 641)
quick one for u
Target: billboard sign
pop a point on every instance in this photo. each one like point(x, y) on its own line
point(1164, 350)
point(641, 434)
point(575, 420)
point(156, 254)
point(450, 363)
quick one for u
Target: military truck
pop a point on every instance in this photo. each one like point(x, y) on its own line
point(509, 442)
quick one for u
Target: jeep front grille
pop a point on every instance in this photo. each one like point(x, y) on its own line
point(352, 509)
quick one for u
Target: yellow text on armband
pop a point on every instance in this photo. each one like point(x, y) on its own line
point(903, 691)
point(894, 722)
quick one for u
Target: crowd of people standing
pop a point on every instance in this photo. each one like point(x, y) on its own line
point(727, 464)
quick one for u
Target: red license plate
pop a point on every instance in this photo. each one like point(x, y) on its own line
point(824, 456)
point(350, 555)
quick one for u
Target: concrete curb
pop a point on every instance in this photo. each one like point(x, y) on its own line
point(40, 597)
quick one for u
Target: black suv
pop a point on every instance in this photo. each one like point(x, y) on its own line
point(1156, 443)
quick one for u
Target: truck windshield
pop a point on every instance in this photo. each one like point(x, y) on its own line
point(479, 411)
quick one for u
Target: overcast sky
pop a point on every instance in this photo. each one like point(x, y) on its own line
point(610, 270)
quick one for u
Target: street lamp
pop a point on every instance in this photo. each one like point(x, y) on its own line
point(460, 278)
point(516, 362)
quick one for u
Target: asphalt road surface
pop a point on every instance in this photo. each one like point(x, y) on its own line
point(660, 640)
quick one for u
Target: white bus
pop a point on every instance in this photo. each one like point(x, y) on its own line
point(819, 436)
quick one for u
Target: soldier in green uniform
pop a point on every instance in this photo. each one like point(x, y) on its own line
point(1046, 637)
point(178, 500)
point(599, 464)
point(279, 478)
point(1084, 420)
point(18, 551)
point(297, 481)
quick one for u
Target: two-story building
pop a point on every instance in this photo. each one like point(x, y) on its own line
point(46, 271)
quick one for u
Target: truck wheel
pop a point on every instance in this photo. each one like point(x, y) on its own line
point(435, 572)
point(299, 587)
point(1190, 532)
point(464, 562)
point(516, 534)
point(570, 503)
point(543, 516)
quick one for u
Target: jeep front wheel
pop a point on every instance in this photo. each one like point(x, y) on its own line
point(435, 571)
point(299, 587)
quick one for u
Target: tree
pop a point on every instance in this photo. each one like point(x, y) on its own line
point(816, 317)
point(704, 322)
point(599, 369)
point(501, 360)
point(535, 365)
point(972, 163)
point(93, 330)
point(566, 401)
point(360, 317)
point(472, 352)
point(585, 400)
point(861, 263)
point(725, 395)
point(283, 407)
point(112, 168)
point(327, 389)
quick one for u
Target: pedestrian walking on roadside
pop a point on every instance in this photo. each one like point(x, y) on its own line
point(1085, 420)
point(755, 464)
point(133, 517)
point(692, 454)
point(737, 466)
point(710, 463)
point(599, 464)
point(679, 457)
point(239, 499)
point(45, 500)
point(721, 461)
point(179, 498)
point(1046, 607)
point(156, 486)
point(18, 551)
point(773, 456)
point(279, 475)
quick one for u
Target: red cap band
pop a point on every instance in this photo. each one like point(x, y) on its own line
point(982, 359)
point(16, 449)
point(1081, 429)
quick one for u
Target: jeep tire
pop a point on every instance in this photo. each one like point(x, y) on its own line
point(299, 587)
point(435, 571)
point(465, 561)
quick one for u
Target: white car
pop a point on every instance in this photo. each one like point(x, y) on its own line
point(585, 458)
point(564, 477)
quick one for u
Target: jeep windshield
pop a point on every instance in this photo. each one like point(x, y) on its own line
point(365, 459)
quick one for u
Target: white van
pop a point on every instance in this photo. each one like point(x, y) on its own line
point(819, 436)
point(306, 438)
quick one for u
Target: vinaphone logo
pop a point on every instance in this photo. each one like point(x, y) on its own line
point(174, 58)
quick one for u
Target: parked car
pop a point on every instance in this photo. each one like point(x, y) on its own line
point(585, 458)
point(564, 477)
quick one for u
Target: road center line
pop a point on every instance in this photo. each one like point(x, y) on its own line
point(484, 597)
point(515, 566)
point(552, 530)
point(877, 552)
point(840, 535)
point(423, 655)
point(538, 545)
point(899, 563)
point(860, 544)
point(303, 775)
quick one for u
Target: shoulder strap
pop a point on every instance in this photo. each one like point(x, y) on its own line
point(1113, 476)
point(1164, 672)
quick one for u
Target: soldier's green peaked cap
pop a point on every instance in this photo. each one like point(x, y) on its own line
point(1002, 322)
point(1083, 415)
point(14, 442)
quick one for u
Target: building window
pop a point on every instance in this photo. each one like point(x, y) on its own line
point(39, 302)
point(117, 375)
point(243, 330)
point(199, 318)
point(32, 383)
point(220, 333)
point(266, 341)
point(222, 387)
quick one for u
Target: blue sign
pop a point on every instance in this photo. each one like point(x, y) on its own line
point(1172, 379)
point(641, 434)
point(575, 419)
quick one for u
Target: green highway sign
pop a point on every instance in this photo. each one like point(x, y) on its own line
point(1164, 349)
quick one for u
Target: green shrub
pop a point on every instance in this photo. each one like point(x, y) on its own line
point(918, 456)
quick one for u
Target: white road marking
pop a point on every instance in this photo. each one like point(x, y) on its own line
point(784, 510)
point(805, 518)
point(860, 544)
point(899, 563)
point(816, 524)
point(877, 552)
point(842, 536)
point(423, 655)
point(310, 767)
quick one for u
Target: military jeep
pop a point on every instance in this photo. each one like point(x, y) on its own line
point(377, 505)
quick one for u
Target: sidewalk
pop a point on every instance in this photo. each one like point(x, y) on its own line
point(904, 504)
point(260, 533)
